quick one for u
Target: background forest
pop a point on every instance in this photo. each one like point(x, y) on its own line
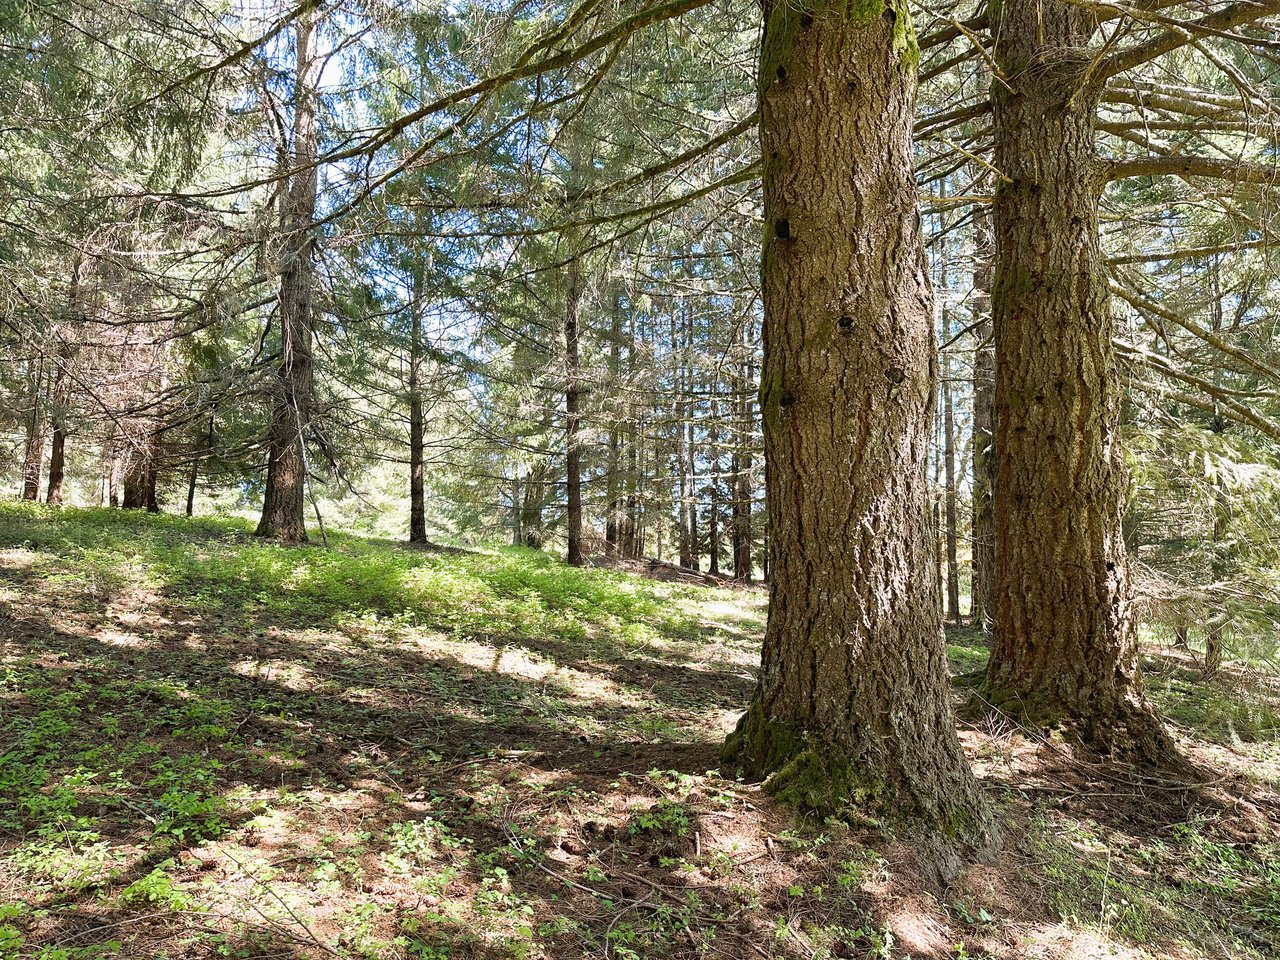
point(488, 278)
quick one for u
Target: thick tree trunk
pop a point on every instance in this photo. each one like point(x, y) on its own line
point(417, 451)
point(853, 701)
point(984, 378)
point(1065, 646)
point(572, 415)
point(284, 503)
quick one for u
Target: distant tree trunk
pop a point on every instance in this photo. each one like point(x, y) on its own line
point(633, 524)
point(115, 467)
point(531, 523)
point(58, 416)
point(949, 475)
point(531, 512)
point(1064, 639)
point(1216, 626)
point(151, 483)
point(135, 483)
point(57, 464)
point(713, 513)
point(60, 394)
point(613, 466)
point(517, 534)
point(853, 700)
point(33, 454)
point(937, 538)
point(192, 479)
point(417, 451)
point(141, 475)
point(682, 410)
point(984, 375)
point(631, 532)
point(572, 416)
point(284, 503)
point(691, 505)
point(197, 456)
point(742, 462)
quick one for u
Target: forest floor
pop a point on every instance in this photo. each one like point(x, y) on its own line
point(211, 746)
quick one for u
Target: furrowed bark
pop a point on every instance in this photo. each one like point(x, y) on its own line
point(1065, 645)
point(852, 705)
point(283, 507)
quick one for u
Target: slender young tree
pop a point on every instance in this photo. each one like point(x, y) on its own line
point(284, 501)
point(33, 452)
point(572, 413)
point(853, 700)
point(984, 375)
point(58, 400)
point(417, 427)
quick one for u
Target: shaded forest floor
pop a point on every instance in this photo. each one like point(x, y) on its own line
point(211, 746)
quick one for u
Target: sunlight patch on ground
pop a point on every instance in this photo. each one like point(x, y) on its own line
point(524, 766)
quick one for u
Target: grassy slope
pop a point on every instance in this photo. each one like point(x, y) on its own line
point(210, 746)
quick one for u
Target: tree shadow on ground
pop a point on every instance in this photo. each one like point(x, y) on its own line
point(396, 789)
point(405, 731)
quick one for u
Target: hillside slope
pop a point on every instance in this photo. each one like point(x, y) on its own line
point(212, 746)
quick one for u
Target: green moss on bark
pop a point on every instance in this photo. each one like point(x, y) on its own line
point(806, 771)
point(770, 395)
point(818, 776)
point(787, 19)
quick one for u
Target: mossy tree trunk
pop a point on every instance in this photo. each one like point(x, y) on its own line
point(852, 703)
point(283, 503)
point(1065, 648)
